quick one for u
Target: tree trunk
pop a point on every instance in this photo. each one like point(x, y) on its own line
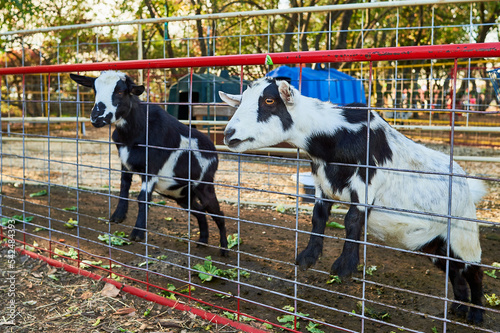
point(199, 28)
point(342, 34)
point(487, 23)
point(341, 43)
point(292, 23)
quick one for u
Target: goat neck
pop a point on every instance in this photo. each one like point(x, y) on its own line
point(131, 129)
point(312, 117)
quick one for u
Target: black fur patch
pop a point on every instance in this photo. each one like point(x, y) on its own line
point(122, 97)
point(181, 170)
point(354, 196)
point(98, 110)
point(278, 108)
point(356, 116)
point(347, 147)
point(108, 118)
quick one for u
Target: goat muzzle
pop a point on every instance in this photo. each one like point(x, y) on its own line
point(228, 133)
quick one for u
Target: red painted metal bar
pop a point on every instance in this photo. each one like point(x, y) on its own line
point(476, 50)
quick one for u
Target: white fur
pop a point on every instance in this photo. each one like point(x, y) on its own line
point(392, 189)
point(166, 173)
point(104, 86)
point(124, 152)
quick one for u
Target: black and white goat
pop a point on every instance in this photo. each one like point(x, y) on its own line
point(170, 145)
point(271, 111)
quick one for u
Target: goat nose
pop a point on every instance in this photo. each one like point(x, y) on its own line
point(228, 133)
point(97, 111)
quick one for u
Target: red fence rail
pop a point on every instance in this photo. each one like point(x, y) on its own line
point(476, 50)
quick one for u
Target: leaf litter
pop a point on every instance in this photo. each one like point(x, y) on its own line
point(73, 303)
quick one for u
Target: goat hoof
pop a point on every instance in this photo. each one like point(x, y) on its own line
point(475, 316)
point(306, 259)
point(202, 240)
point(459, 310)
point(137, 235)
point(224, 253)
point(117, 219)
point(344, 268)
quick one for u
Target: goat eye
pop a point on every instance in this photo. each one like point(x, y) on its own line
point(269, 101)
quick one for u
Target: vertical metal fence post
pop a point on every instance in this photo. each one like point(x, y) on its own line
point(24, 110)
point(147, 178)
point(431, 85)
point(238, 202)
point(190, 115)
point(450, 191)
point(140, 52)
point(366, 207)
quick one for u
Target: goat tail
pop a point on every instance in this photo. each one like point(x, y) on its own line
point(477, 189)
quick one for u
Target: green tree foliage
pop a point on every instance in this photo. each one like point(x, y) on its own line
point(274, 33)
point(14, 12)
point(367, 28)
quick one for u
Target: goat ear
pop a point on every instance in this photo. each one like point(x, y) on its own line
point(137, 90)
point(286, 92)
point(86, 81)
point(233, 100)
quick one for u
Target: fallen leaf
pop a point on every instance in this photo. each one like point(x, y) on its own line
point(170, 323)
point(97, 322)
point(86, 295)
point(110, 290)
point(38, 194)
point(37, 275)
point(53, 277)
point(125, 311)
point(145, 326)
point(52, 270)
point(36, 268)
point(7, 323)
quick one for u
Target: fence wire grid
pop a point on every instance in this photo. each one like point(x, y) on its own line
point(60, 181)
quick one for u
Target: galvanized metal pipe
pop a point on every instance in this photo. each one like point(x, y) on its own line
point(267, 12)
point(453, 51)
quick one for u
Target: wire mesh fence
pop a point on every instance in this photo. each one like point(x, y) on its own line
point(63, 189)
point(60, 184)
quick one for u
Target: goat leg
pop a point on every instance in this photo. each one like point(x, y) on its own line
point(120, 212)
point(208, 199)
point(310, 255)
point(143, 199)
point(347, 263)
point(474, 276)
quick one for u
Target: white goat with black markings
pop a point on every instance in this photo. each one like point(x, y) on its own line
point(170, 144)
point(272, 111)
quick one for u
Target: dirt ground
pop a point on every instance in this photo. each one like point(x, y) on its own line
point(403, 292)
point(395, 292)
point(53, 300)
